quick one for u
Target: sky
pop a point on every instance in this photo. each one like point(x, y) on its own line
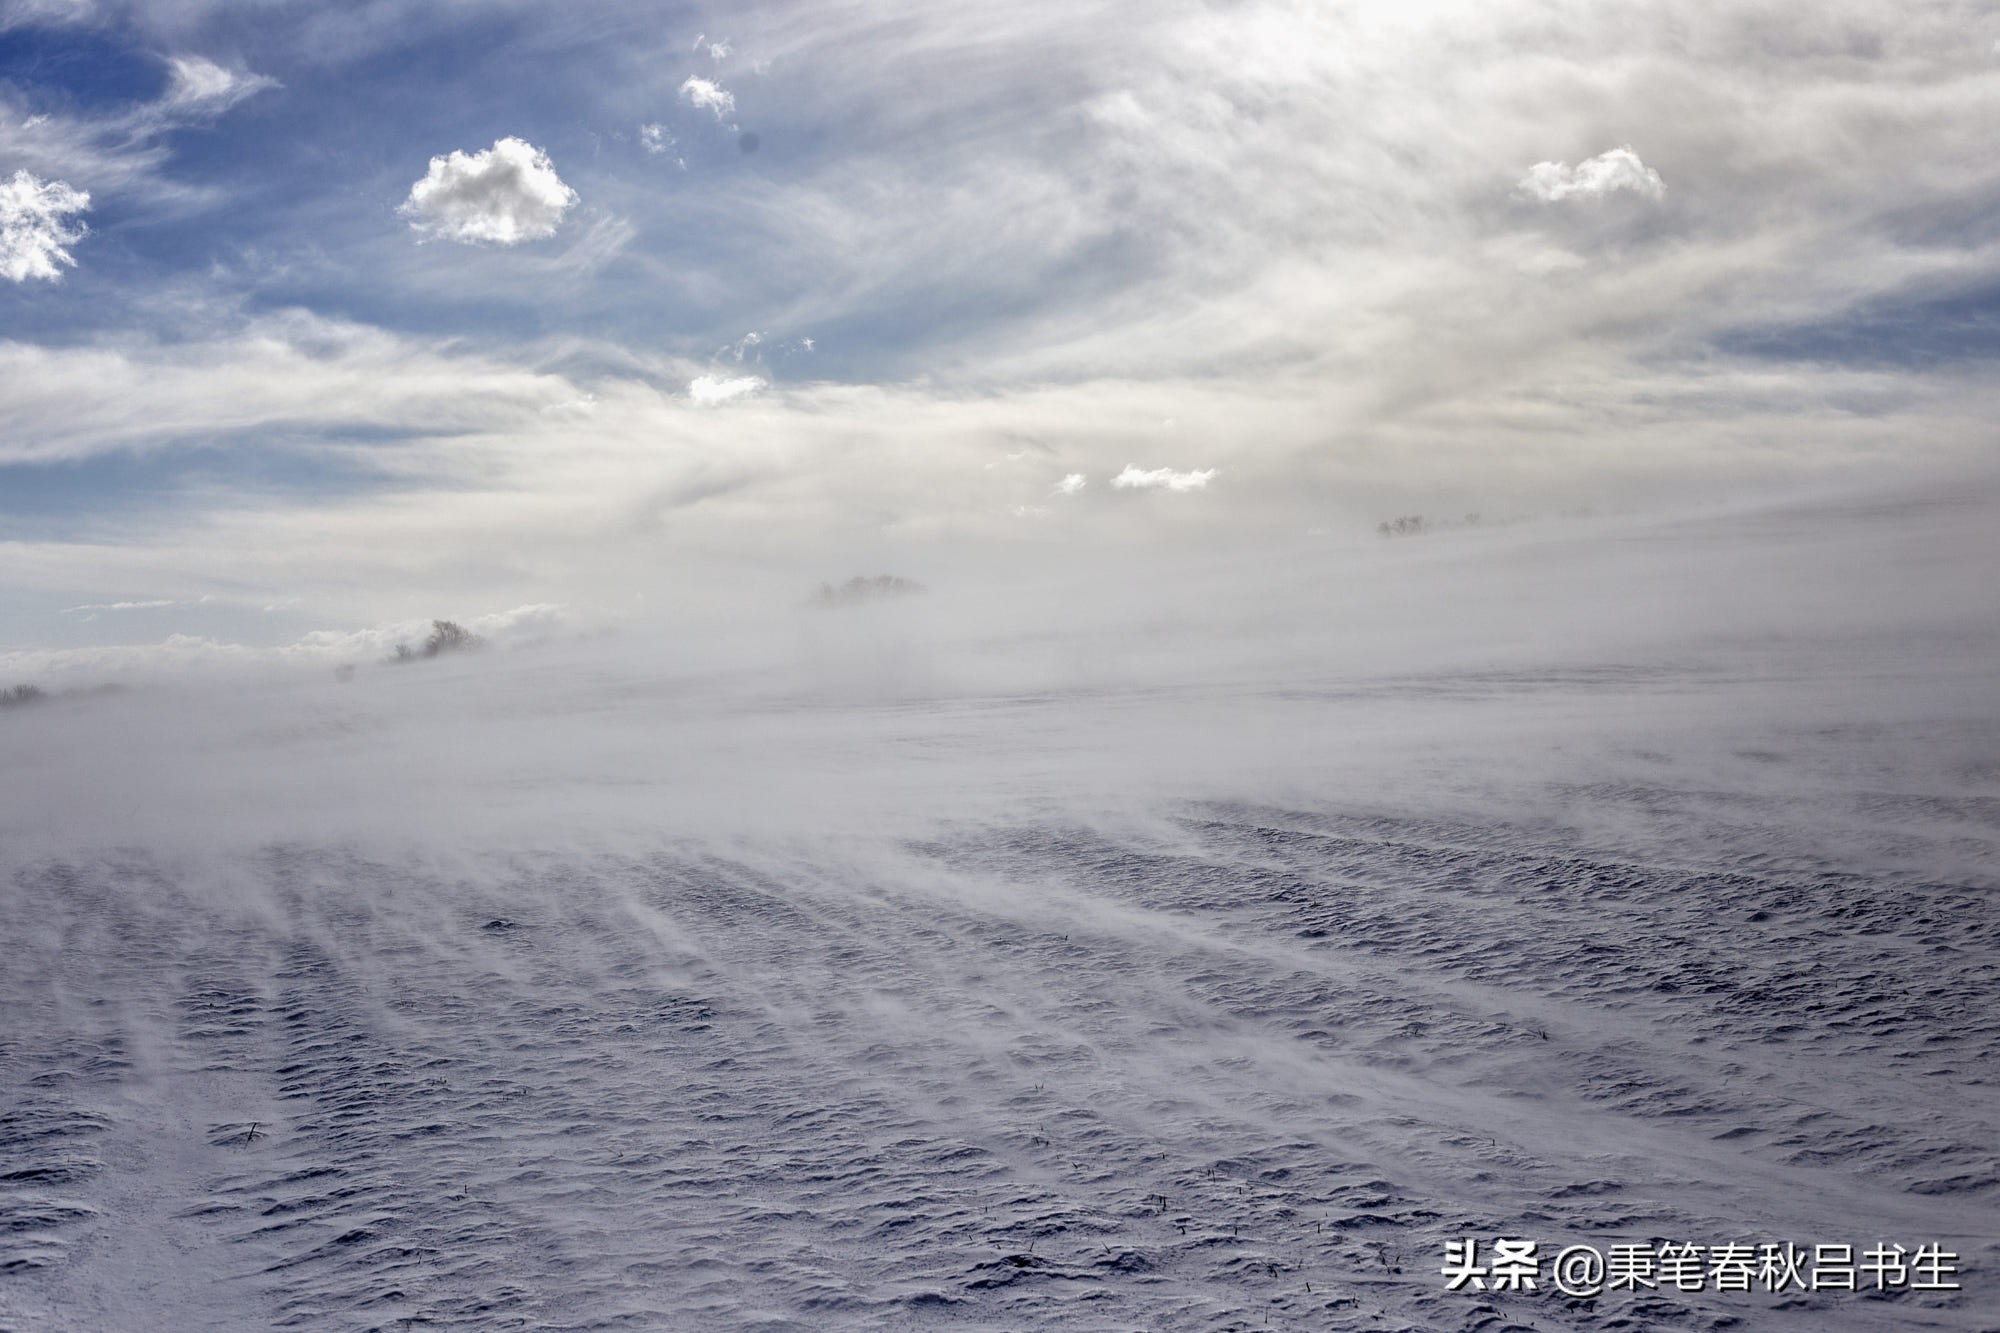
point(318, 321)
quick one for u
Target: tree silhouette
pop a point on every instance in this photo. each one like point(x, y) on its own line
point(446, 636)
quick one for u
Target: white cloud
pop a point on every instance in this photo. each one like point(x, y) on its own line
point(1352, 310)
point(34, 238)
point(1072, 483)
point(289, 367)
point(701, 92)
point(156, 604)
point(656, 138)
point(719, 50)
point(198, 82)
point(1162, 478)
point(508, 194)
point(1593, 178)
point(708, 390)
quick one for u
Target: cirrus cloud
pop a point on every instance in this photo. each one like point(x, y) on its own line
point(197, 82)
point(505, 195)
point(34, 234)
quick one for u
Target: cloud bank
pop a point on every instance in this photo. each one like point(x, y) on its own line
point(507, 194)
point(707, 390)
point(35, 234)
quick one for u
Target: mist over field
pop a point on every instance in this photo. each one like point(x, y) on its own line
point(1194, 945)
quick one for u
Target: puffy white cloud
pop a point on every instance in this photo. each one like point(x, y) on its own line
point(1593, 178)
point(196, 82)
point(34, 236)
point(1072, 483)
point(655, 138)
point(704, 93)
point(708, 390)
point(505, 195)
point(1162, 478)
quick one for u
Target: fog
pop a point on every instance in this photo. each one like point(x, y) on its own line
point(1850, 635)
point(1188, 938)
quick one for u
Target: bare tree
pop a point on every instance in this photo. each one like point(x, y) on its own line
point(448, 636)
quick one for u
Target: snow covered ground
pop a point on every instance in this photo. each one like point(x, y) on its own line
point(1200, 945)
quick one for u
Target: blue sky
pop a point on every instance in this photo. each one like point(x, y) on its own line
point(788, 287)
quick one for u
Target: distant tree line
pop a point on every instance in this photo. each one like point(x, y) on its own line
point(21, 695)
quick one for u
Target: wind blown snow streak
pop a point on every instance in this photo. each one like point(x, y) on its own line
point(1009, 1081)
point(583, 991)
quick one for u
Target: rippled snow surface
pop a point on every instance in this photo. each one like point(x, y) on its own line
point(564, 990)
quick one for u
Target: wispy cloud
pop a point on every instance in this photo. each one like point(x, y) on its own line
point(35, 231)
point(504, 195)
point(1071, 484)
point(602, 241)
point(291, 370)
point(1135, 478)
point(89, 608)
point(702, 92)
point(90, 611)
point(197, 83)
